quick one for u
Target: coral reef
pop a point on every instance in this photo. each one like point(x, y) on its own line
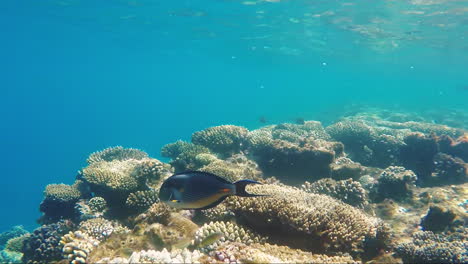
point(267, 253)
point(224, 140)
point(97, 204)
point(234, 168)
point(414, 175)
point(348, 191)
point(15, 231)
point(184, 155)
point(7, 256)
point(59, 201)
point(395, 183)
point(229, 232)
point(116, 153)
point(427, 247)
point(367, 144)
point(177, 256)
point(44, 243)
point(141, 200)
point(77, 246)
point(316, 222)
point(440, 218)
point(449, 170)
point(344, 168)
point(296, 163)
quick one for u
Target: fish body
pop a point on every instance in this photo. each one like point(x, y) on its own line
point(200, 190)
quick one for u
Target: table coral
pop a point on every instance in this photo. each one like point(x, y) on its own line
point(184, 155)
point(224, 140)
point(59, 202)
point(296, 163)
point(348, 191)
point(309, 221)
point(116, 153)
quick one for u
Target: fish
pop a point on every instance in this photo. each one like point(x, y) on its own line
point(200, 190)
point(262, 119)
point(210, 239)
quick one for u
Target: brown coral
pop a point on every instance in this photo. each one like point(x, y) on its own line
point(296, 163)
point(116, 153)
point(348, 191)
point(309, 221)
point(267, 253)
point(224, 140)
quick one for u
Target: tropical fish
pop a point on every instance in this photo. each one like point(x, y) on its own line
point(200, 190)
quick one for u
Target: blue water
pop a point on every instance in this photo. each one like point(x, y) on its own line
point(79, 76)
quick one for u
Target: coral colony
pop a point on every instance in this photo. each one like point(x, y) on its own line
point(364, 188)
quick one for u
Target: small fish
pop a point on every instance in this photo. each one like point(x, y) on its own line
point(210, 239)
point(262, 120)
point(200, 190)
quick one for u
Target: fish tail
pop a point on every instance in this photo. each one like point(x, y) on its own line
point(240, 188)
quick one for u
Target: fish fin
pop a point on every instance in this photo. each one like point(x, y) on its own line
point(220, 200)
point(240, 188)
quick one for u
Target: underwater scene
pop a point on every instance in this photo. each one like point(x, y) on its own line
point(234, 131)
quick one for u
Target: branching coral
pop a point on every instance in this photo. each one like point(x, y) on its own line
point(153, 171)
point(348, 191)
point(44, 243)
point(97, 204)
point(100, 228)
point(116, 153)
point(233, 169)
point(396, 183)
point(428, 247)
point(218, 213)
point(141, 200)
point(449, 170)
point(267, 253)
point(297, 132)
point(418, 154)
point(310, 221)
point(184, 155)
point(176, 256)
point(16, 244)
point(115, 180)
point(365, 143)
point(228, 232)
point(224, 140)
